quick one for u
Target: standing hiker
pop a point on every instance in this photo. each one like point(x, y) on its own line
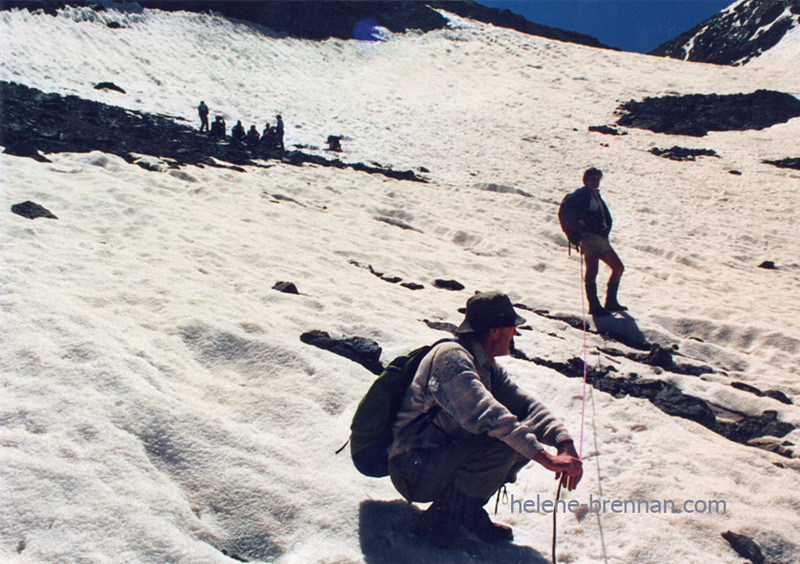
point(464, 429)
point(279, 132)
point(202, 111)
point(587, 222)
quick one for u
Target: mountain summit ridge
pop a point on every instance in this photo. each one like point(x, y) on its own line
point(738, 34)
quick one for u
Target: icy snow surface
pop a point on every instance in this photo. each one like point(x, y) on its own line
point(157, 403)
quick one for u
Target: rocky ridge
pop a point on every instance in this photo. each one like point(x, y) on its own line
point(349, 19)
point(735, 36)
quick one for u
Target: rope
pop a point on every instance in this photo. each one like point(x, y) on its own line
point(583, 410)
point(585, 364)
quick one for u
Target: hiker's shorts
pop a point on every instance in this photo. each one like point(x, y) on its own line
point(593, 244)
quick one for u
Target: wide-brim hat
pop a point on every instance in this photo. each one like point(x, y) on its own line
point(489, 310)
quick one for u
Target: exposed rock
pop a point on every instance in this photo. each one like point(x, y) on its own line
point(448, 284)
point(286, 287)
point(298, 158)
point(682, 153)
point(606, 130)
point(697, 114)
point(767, 264)
point(365, 352)
point(441, 326)
point(32, 211)
point(108, 86)
point(773, 444)
point(386, 277)
point(785, 163)
point(662, 357)
point(778, 396)
point(53, 123)
point(735, 36)
point(774, 394)
point(319, 19)
point(747, 388)
point(744, 547)
point(671, 400)
point(24, 148)
point(751, 427)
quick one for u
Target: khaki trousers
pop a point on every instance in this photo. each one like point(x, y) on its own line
point(477, 465)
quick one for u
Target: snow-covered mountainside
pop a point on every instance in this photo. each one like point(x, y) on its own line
point(160, 398)
point(345, 19)
point(743, 32)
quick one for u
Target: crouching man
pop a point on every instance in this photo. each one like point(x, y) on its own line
point(465, 428)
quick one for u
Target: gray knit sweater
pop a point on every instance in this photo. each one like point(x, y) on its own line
point(476, 396)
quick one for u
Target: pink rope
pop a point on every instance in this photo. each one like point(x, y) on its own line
point(583, 407)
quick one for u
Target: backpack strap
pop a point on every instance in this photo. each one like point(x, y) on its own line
point(434, 411)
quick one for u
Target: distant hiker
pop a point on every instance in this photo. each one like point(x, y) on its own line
point(335, 143)
point(464, 429)
point(269, 140)
point(586, 219)
point(279, 132)
point(202, 111)
point(237, 132)
point(218, 128)
point(252, 137)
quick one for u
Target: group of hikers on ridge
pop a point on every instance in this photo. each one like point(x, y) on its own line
point(448, 424)
point(271, 139)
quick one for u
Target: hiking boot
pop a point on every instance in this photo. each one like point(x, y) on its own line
point(440, 524)
point(594, 304)
point(611, 298)
point(477, 521)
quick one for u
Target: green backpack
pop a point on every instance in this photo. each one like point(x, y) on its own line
point(371, 429)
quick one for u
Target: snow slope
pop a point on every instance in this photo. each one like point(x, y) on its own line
point(158, 404)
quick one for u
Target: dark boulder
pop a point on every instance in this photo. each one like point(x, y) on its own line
point(109, 86)
point(448, 284)
point(606, 130)
point(745, 547)
point(32, 211)
point(286, 287)
point(365, 352)
point(441, 326)
point(697, 114)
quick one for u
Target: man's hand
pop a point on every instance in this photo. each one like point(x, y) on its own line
point(565, 464)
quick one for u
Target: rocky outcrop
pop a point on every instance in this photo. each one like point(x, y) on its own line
point(35, 121)
point(697, 114)
point(670, 399)
point(683, 153)
point(320, 19)
point(735, 36)
point(793, 163)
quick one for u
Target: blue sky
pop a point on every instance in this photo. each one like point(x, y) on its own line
point(631, 25)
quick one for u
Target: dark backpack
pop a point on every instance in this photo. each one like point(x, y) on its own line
point(568, 218)
point(371, 429)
